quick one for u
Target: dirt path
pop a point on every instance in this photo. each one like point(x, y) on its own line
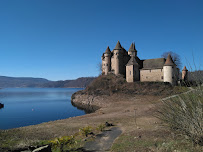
point(103, 141)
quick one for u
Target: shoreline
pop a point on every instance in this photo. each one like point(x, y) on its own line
point(119, 112)
point(132, 113)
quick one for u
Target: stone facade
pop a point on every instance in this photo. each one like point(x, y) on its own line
point(151, 75)
point(126, 63)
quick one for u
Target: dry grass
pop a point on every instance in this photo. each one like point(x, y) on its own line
point(112, 84)
point(183, 114)
point(132, 112)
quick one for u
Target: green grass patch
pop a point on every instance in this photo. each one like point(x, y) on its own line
point(130, 143)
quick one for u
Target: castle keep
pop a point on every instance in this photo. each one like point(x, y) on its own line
point(127, 63)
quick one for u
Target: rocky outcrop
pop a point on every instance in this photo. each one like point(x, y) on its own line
point(89, 103)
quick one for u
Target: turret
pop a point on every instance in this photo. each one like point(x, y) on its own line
point(184, 74)
point(169, 70)
point(132, 70)
point(132, 51)
point(107, 61)
point(117, 56)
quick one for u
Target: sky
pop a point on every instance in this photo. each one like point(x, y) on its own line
point(65, 39)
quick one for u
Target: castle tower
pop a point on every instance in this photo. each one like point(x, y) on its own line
point(132, 51)
point(107, 61)
point(184, 74)
point(132, 70)
point(118, 58)
point(169, 70)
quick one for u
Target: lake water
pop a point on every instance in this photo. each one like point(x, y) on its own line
point(30, 106)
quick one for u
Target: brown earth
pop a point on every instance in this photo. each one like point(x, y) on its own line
point(120, 111)
point(131, 111)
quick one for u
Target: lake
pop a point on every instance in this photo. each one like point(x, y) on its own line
point(30, 106)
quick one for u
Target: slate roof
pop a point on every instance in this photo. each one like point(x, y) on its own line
point(108, 50)
point(102, 56)
point(154, 63)
point(118, 46)
point(132, 47)
point(169, 61)
point(132, 61)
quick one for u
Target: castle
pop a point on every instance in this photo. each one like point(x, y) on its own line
point(127, 63)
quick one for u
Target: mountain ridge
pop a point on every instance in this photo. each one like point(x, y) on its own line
point(23, 82)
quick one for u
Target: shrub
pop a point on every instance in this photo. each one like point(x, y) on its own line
point(183, 114)
point(63, 141)
point(101, 127)
point(111, 84)
point(86, 130)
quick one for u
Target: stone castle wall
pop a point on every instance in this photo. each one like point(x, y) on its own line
point(151, 75)
point(118, 62)
point(129, 73)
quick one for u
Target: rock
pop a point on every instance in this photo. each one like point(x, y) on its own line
point(1, 105)
point(138, 137)
point(108, 124)
point(46, 148)
point(31, 148)
point(87, 102)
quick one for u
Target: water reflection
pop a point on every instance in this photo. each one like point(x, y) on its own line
point(29, 106)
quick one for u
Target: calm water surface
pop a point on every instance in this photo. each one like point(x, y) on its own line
point(30, 106)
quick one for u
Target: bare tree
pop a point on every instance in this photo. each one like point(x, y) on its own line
point(99, 67)
point(176, 58)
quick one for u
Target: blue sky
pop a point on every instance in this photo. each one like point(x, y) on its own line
point(64, 39)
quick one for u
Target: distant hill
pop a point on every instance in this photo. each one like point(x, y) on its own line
point(80, 82)
point(9, 82)
point(6, 82)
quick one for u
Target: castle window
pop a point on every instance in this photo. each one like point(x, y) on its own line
point(149, 70)
point(130, 72)
point(146, 77)
point(162, 77)
point(106, 64)
point(161, 70)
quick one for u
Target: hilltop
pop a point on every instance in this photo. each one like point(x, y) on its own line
point(107, 87)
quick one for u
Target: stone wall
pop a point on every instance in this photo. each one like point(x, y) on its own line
point(151, 75)
point(129, 73)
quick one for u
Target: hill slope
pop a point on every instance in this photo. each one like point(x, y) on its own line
point(9, 82)
point(6, 82)
point(80, 82)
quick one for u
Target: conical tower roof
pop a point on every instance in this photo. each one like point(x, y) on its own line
point(184, 69)
point(132, 47)
point(118, 46)
point(108, 50)
point(169, 61)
